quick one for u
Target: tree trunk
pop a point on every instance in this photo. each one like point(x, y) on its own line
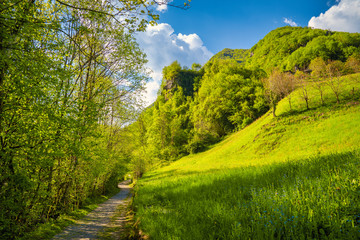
point(274, 110)
point(337, 97)
point(289, 98)
point(307, 103)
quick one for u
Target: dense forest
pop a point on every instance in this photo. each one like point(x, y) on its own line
point(198, 107)
point(292, 48)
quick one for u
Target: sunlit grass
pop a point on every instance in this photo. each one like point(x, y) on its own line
point(291, 177)
point(289, 200)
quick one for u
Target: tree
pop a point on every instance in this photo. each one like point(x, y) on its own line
point(175, 76)
point(318, 73)
point(353, 64)
point(302, 80)
point(228, 98)
point(278, 86)
point(196, 67)
point(334, 71)
point(288, 87)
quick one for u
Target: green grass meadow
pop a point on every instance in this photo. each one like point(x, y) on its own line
point(296, 176)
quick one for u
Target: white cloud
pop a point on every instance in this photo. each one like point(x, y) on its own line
point(290, 22)
point(193, 40)
point(162, 47)
point(345, 16)
point(162, 6)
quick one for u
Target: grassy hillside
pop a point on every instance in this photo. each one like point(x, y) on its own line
point(291, 177)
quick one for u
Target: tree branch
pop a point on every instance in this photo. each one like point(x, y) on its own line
point(84, 9)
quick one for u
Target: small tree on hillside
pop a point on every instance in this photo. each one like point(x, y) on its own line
point(334, 71)
point(278, 86)
point(302, 80)
point(353, 64)
point(318, 68)
point(288, 86)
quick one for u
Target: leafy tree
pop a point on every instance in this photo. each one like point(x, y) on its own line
point(278, 86)
point(334, 71)
point(318, 67)
point(302, 80)
point(353, 64)
point(227, 99)
point(175, 76)
point(196, 67)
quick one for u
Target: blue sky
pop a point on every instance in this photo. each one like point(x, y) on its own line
point(239, 23)
point(196, 34)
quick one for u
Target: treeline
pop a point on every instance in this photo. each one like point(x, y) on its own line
point(68, 74)
point(199, 106)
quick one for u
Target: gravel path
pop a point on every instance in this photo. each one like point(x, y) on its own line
point(99, 219)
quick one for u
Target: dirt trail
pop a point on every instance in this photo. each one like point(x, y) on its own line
point(101, 218)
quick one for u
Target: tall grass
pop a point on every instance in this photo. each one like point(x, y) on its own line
point(316, 198)
point(292, 177)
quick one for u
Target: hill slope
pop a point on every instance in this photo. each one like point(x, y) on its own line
point(289, 48)
point(295, 176)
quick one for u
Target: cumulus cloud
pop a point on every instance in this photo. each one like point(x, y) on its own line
point(345, 16)
point(162, 47)
point(290, 22)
